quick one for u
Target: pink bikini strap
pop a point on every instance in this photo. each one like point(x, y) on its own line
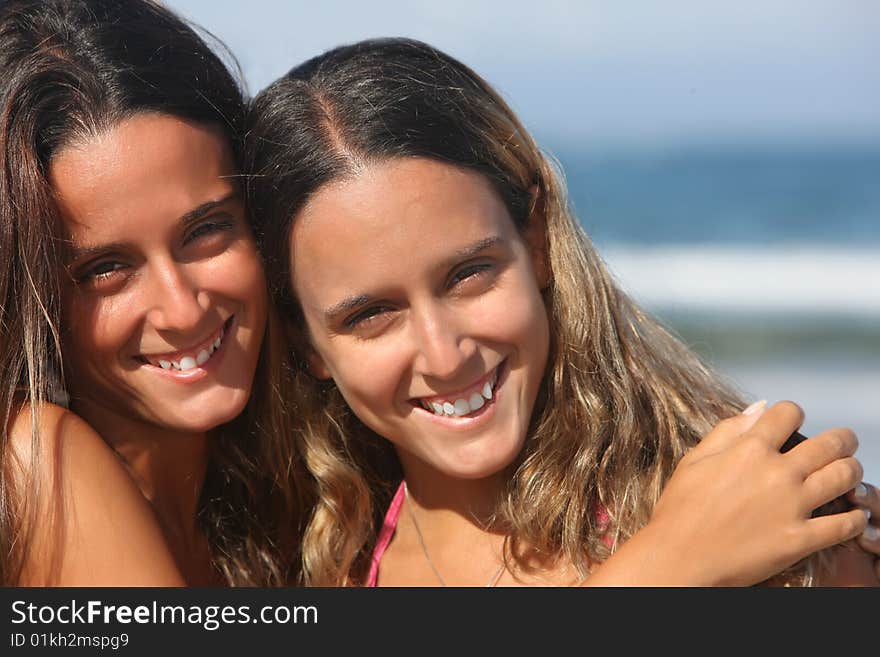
point(385, 534)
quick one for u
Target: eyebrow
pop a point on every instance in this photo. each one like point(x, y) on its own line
point(349, 304)
point(186, 219)
point(475, 248)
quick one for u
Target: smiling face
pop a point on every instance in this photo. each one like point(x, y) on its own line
point(165, 300)
point(422, 302)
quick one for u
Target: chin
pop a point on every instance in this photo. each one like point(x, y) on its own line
point(487, 462)
point(208, 415)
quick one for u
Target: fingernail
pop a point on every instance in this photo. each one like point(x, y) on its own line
point(757, 407)
point(867, 512)
point(860, 492)
point(871, 533)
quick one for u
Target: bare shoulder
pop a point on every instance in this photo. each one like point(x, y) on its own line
point(39, 434)
point(52, 449)
point(83, 519)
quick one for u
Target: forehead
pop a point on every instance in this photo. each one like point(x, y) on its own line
point(395, 216)
point(146, 167)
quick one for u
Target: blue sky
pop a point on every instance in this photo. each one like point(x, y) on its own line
point(615, 71)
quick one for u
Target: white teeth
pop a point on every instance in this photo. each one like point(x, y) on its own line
point(187, 363)
point(463, 406)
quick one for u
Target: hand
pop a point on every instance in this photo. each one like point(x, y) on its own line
point(737, 511)
point(866, 496)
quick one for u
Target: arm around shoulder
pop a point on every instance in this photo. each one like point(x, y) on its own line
point(85, 522)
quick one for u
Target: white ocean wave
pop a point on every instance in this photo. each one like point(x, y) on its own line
point(785, 279)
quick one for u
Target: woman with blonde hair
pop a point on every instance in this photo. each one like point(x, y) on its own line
point(131, 291)
point(481, 403)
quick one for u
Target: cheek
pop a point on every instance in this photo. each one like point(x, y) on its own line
point(240, 274)
point(519, 318)
point(98, 326)
point(95, 337)
point(369, 378)
point(241, 279)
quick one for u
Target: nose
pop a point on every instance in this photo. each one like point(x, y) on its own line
point(173, 299)
point(442, 348)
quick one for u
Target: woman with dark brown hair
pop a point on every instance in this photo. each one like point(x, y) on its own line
point(143, 435)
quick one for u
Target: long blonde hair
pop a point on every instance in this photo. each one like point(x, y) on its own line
point(622, 398)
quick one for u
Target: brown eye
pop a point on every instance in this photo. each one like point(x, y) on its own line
point(366, 316)
point(469, 272)
point(209, 228)
point(102, 276)
point(99, 271)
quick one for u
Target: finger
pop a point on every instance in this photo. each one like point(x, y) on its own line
point(870, 539)
point(728, 431)
point(777, 423)
point(822, 449)
point(867, 496)
point(831, 481)
point(825, 531)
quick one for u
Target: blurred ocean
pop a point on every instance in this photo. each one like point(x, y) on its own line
point(766, 261)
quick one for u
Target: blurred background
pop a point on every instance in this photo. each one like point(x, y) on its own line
point(725, 158)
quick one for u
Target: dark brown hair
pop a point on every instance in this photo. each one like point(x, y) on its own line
point(71, 69)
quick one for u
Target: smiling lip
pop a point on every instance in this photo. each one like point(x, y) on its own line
point(209, 352)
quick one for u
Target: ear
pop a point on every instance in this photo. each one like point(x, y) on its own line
point(317, 366)
point(536, 239)
point(304, 351)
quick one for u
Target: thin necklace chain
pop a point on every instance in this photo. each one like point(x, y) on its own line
point(495, 576)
